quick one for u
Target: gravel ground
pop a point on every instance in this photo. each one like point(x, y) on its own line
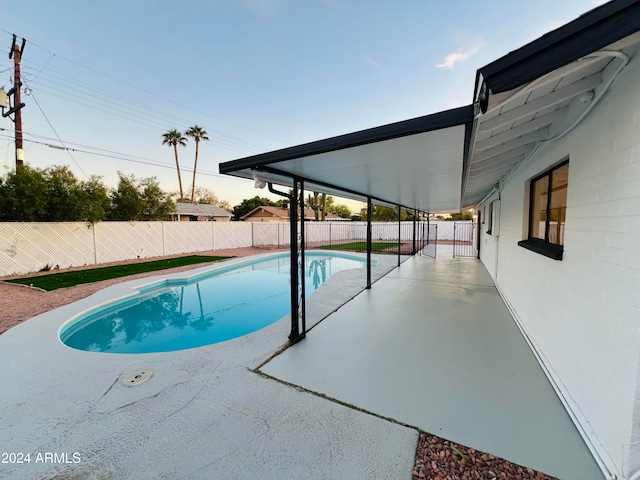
point(436, 459)
point(439, 459)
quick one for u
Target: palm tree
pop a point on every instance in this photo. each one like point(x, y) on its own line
point(197, 133)
point(175, 138)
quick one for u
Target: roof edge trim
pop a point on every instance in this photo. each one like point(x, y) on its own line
point(591, 31)
point(427, 123)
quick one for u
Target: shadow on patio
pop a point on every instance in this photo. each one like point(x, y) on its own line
point(433, 345)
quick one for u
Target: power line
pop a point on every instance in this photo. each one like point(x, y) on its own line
point(117, 155)
point(101, 94)
point(43, 66)
point(241, 146)
point(59, 79)
point(6, 156)
point(224, 142)
point(148, 92)
point(54, 131)
point(220, 142)
point(42, 77)
point(99, 149)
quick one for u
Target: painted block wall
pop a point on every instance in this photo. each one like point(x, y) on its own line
point(582, 314)
point(488, 243)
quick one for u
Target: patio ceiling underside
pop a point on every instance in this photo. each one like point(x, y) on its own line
point(416, 164)
point(517, 122)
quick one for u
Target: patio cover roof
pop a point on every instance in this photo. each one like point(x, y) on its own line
point(540, 92)
point(454, 159)
point(416, 163)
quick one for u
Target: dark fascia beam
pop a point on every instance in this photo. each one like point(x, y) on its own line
point(588, 33)
point(414, 126)
point(469, 138)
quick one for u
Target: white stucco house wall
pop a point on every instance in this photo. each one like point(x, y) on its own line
point(581, 313)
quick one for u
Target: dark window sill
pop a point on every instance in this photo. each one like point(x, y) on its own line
point(547, 249)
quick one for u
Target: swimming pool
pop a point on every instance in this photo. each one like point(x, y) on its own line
point(212, 307)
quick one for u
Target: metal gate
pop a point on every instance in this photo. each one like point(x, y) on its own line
point(429, 242)
point(464, 239)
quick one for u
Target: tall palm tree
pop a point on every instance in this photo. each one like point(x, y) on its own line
point(197, 133)
point(174, 137)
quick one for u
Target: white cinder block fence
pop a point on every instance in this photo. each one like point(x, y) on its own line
point(31, 247)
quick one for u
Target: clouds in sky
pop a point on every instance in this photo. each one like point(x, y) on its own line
point(371, 62)
point(454, 58)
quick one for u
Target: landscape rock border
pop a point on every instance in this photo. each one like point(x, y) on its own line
point(439, 459)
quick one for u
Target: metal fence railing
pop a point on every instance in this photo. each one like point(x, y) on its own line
point(352, 236)
point(464, 239)
point(430, 240)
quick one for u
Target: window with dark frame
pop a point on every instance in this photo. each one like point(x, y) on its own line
point(490, 218)
point(548, 211)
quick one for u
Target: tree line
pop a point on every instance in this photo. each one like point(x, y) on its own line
point(55, 194)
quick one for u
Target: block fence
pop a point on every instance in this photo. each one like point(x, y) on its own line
point(31, 247)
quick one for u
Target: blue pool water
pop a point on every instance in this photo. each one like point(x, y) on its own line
point(216, 306)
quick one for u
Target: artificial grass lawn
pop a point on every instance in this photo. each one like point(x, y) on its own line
point(360, 246)
point(77, 277)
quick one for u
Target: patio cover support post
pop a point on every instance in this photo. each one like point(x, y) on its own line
point(413, 251)
point(428, 229)
point(294, 335)
point(369, 242)
point(301, 266)
point(478, 234)
point(399, 232)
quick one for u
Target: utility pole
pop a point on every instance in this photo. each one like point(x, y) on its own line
point(16, 54)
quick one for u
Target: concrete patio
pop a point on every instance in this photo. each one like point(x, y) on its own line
point(433, 345)
point(203, 415)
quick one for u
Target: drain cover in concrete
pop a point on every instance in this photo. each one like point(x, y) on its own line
point(137, 377)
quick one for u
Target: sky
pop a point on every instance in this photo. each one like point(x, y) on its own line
point(102, 81)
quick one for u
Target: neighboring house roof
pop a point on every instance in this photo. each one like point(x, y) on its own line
point(454, 159)
point(201, 210)
point(284, 213)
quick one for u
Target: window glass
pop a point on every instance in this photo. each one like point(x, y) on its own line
point(558, 207)
point(549, 205)
point(548, 212)
point(539, 207)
